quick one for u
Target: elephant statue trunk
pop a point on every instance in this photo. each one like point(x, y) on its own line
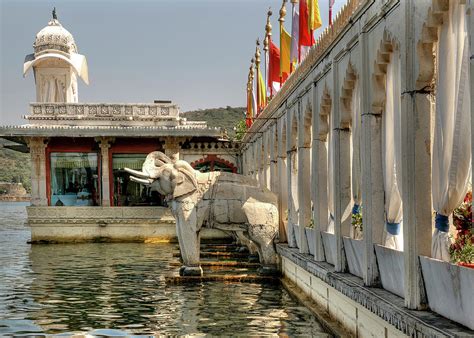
point(226, 201)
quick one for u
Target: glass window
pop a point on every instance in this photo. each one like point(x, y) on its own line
point(74, 179)
point(127, 192)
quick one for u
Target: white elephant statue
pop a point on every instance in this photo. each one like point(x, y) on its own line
point(220, 200)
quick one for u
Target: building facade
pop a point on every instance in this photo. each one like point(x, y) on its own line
point(376, 123)
point(79, 151)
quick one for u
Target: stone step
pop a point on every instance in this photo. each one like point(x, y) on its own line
point(221, 248)
point(218, 254)
point(240, 278)
point(234, 264)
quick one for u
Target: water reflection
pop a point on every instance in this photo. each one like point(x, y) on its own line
point(83, 287)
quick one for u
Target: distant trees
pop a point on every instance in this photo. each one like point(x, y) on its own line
point(15, 167)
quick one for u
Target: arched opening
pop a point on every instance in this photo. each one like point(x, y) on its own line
point(387, 88)
point(350, 121)
point(213, 163)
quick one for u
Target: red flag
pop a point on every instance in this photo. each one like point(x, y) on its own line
point(274, 65)
point(305, 38)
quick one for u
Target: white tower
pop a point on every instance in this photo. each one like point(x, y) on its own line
point(56, 64)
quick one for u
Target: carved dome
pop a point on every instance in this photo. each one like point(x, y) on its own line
point(54, 37)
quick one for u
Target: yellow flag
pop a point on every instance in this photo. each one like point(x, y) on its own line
point(314, 16)
point(262, 93)
point(285, 47)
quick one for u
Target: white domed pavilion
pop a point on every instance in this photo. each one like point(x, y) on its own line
point(56, 64)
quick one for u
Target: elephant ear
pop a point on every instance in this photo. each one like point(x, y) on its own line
point(185, 181)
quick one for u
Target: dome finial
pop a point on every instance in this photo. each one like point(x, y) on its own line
point(55, 17)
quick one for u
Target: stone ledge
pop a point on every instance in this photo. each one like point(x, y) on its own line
point(384, 304)
point(321, 314)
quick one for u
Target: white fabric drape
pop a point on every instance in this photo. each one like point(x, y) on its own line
point(452, 138)
point(356, 174)
point(391, 156)
point(330, 149)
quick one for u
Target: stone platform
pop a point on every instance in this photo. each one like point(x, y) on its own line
point(365, 311)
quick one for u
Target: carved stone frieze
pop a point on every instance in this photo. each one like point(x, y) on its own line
point(116, 112)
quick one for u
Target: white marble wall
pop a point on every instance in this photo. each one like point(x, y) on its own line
point(316, 101)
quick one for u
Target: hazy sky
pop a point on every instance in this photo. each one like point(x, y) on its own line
point(193, 52)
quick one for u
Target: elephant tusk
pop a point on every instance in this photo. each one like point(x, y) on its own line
point(141, 180)
point(137, 173)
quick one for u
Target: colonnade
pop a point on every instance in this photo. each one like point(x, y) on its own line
point(356, 126)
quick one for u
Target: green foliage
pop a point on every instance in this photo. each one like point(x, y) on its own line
point(462, 250)
point(15, 167)
point(357, 221)
point(227, 117)
point(240, 129)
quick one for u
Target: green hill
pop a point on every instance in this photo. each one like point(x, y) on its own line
point(218, 117)
point(15, 167)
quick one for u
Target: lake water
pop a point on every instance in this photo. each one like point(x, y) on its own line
point(120, 289)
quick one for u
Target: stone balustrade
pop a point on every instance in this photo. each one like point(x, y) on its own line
point(103, 111)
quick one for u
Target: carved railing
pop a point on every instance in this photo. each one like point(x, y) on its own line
point(103, 111)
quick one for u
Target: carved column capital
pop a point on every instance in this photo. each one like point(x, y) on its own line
point(171, 147)
point(37, 145)
point(105, 142)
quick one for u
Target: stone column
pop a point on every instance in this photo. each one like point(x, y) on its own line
point(104, 145)
point(372, 192)
point(267, 165)
point(291, 165)
point(37, 147)
point(255, 160)
point(273, 159)
point(264, 160)
point(319, 179)
point(342, 193)
point(341, 175)
point(172, 147)
point(304, 194)
point(416, 162)
point(372, 174)
point(281, 181)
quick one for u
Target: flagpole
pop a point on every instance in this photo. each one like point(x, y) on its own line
point(248, 118)
point(257, 71)
point(251, 86)
point(330, 12)
point(268, 38)
point(299, 34)
point(282, 21)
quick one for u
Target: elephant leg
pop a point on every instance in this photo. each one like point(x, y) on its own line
point(263, 235)
point(245, 240)
point(189, 239)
